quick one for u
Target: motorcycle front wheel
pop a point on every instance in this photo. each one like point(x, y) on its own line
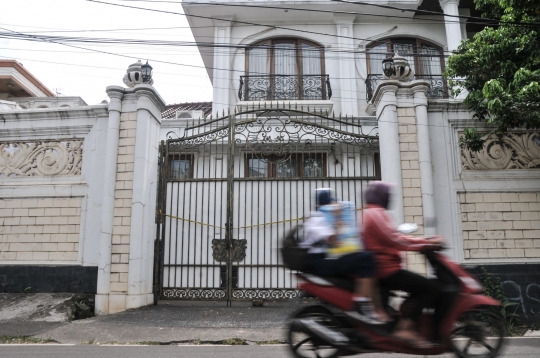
point(304, 345)
point(478, 334)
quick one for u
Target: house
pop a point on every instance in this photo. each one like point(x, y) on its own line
point(190, 201)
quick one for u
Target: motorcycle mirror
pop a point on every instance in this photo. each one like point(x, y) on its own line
point(407, 228)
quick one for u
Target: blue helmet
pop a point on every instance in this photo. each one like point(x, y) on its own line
point(324, 196)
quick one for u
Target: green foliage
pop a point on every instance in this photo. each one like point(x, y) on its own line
point(24, 340)
point(234, 342)
point(28, 290)
point(471, 139)
point(507, 310)
point(500, 66)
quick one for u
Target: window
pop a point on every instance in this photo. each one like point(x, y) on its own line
point(426, 57)
point(306, 165)
point(285, 69)
point(181, 167)
point(285, 57)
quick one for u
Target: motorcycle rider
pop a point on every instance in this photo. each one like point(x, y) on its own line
point(386, 243)
point(320, 236)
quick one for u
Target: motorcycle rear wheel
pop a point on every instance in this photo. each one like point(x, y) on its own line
point(478, 334)
point(306, 346)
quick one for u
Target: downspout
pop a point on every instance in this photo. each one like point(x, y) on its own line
point(107, 206)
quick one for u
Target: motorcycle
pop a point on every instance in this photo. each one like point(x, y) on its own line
point(470, 325)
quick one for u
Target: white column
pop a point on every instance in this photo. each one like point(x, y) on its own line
point(107, 207)
point(424, 158)
point(387, 118)
point(453, 29)
point(222, 72)
point(347, 73)
point(141, 250)
point(452, 24)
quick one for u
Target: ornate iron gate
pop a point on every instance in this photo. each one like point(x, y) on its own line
point(231, 187)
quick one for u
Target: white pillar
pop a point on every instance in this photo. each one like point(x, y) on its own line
point(453, 29)
point(221, 78)
point(451, 23)
point(143, 202)
point(107, 207)
point(424, 157)
point(387, 117)
point(347, 72)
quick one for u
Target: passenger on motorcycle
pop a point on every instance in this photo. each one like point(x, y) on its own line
point(321, 233)
point(382, 238)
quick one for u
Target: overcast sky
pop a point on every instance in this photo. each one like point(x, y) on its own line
point(76, 72)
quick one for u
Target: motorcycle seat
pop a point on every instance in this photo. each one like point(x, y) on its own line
point(339, 281)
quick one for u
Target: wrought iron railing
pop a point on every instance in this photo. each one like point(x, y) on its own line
point(284, 87)
point(438, 88)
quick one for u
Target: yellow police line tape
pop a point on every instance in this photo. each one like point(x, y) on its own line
point(240, 227)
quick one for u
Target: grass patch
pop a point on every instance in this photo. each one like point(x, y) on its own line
point(24, 340)
point(234, 342)
point(273, 341)
point(91, 341)
point(148, 343)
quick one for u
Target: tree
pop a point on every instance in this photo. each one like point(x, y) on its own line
point(500, 68)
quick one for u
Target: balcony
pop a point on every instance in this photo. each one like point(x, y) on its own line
point(437, 90)
point(284, 88)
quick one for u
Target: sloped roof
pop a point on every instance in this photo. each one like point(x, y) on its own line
point(170, 110)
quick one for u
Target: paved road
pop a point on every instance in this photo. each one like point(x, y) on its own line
point(520, 348)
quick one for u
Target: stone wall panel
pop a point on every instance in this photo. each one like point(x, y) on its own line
point(513, 224)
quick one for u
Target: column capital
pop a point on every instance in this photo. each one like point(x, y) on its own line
point(445, 3)
point(115, 93)
point(223, 21)
point(343, 19)
point(419, 89)
point(420, 94)
point(385, 87)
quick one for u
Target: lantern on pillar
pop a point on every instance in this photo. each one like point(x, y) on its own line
point(388, 67)
point(146, 70)
point(138, 73)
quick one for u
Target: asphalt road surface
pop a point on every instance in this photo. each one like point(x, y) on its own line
point(515, 348)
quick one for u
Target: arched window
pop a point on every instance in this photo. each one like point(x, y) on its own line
point(427, 58)
point(284, 69)
point(285, 56)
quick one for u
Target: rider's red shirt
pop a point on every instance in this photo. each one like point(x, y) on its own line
point(382, 238)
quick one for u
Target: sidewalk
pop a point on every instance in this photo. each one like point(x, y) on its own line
point(168, 322)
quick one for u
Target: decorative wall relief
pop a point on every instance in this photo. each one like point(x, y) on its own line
point(41, 159)
point(511, 151)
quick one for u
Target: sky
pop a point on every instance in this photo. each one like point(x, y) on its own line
point(78, 72)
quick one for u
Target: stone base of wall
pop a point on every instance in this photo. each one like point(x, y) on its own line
point(73, 279)
point(521, 283)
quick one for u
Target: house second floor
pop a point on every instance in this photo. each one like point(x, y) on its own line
point(320, 54)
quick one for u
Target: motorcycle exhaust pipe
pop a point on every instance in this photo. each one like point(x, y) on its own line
point(325, 334)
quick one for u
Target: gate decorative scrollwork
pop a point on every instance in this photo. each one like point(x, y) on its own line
point(246, 178)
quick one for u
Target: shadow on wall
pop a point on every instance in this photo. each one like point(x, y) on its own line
point(521, 283)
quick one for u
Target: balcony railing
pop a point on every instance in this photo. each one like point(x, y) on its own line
point(284, 87)
point(437, 90)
